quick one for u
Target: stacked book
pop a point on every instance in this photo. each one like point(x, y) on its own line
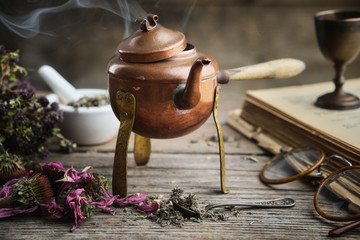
point(287, 118)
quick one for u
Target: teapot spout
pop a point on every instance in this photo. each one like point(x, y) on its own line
point(189, 96)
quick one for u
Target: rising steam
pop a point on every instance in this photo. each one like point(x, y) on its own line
point(29, 25)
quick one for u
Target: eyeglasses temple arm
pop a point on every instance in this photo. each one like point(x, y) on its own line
point(338, 231)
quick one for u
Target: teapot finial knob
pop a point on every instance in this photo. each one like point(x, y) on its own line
point(149, 23)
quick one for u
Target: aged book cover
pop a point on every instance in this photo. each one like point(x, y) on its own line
point(287, 117)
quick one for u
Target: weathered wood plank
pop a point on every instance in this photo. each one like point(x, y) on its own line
point(197, 173)
point(192, 163)
point(200, 141)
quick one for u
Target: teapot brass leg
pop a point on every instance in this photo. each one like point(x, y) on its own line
point(142, 150)
point(125, 102)
point(221, 140)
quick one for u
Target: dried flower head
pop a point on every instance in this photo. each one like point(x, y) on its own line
point(10, 166)
point(63, 192)
point(53, 171)
point(79, 206)
point(24, 195)
point(28, 192)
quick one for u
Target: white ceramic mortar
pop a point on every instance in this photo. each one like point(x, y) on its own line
point(83, 125)
point(88, 125)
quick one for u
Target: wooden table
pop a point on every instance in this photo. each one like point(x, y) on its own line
point(192, 163)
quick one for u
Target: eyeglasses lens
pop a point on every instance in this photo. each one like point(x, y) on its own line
point(339, 195)
point(292, 163)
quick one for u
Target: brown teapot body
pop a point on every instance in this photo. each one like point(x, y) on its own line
point(155, 86)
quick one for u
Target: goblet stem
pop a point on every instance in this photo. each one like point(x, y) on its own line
point(338, 99)
point(339, 79)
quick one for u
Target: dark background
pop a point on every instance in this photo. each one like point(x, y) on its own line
point(79, 41)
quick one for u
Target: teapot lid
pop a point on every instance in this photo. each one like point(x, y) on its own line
point(151, 43)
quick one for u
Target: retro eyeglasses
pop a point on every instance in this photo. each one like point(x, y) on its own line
point(337, 196)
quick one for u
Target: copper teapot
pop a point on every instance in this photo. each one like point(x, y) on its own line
point(172, 83)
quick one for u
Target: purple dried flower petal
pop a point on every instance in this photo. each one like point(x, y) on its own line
point(84, 174)
point(131, 199)
point(105, 204)
point(73, 201)
point(71, 171)
point(53, 209)
point(105, 192)
point(8, 212)
point(150, 207)
point(56, 165)
point(107, 209)
point(73, 177)
point(70, 179)
point(5, 192)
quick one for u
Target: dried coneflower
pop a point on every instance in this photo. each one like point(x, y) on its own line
point(33, 190)
point(94, 183)
point(54, 171)
point(64, 193)
point(10, 166)
point(24, 195)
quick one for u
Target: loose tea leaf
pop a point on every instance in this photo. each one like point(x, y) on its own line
point(95, 101)
point(168, 215)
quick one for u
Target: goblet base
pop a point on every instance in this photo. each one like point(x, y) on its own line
point(338, 101)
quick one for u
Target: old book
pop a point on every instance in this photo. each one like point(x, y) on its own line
point(287, 117)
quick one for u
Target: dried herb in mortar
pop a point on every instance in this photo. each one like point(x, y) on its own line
point(95, 101)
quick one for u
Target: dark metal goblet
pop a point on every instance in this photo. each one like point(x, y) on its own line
point(338, 36)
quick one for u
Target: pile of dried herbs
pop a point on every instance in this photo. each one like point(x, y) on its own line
point(27, 121)
point(95, 101)
point(167, 214)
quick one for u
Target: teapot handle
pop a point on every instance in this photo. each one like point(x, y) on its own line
point(275, 69)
